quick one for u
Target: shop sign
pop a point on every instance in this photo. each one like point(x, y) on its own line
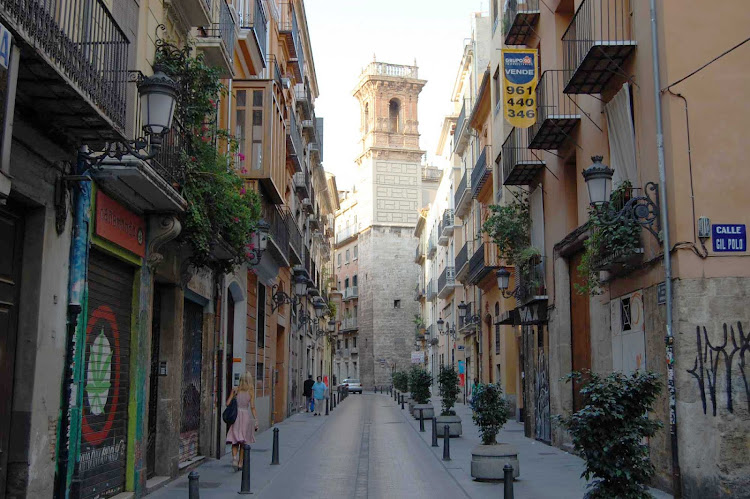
point(520, 74)
point(417, 357)
point(117, 224)
point(729, 237)
point(532, 314)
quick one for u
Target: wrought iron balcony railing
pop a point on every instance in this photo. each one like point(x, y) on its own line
point(278, 232)
point(461, 139)
point(303, 99)
point(462, 261)
point(480, 174)
point(531, 282)
point(482, 262)
point(462, 196)
point(446, 282)
point(596, 44)
point(557, 113)
point(520, 164)
point(519, 19)
point(252, 15)
point(295, 236)
point(83, 44)
point(217, 41)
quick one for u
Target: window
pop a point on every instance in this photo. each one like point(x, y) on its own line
point(347, 256)
point(396, 303)
point(394, 116)
point(367, 118)
point(339, 260)
point(346, 343)
point(259, 371)
point(621, 136)
point(495, 16)
point(497, 329)
point(354, 342)
point(338, 344)
point(346, 282)
point(354, 368)
point(338, 285)
point(354, 280)
point(257, 151)
point(239, 127)
point(261, 332)
point(355, 311)
point(355, 252)
point(497, 89)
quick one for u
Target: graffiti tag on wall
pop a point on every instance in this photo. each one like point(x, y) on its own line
point(712, 361)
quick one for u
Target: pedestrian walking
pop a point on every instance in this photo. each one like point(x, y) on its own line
point(244, 427)
point(319, 390)
point(307, 392)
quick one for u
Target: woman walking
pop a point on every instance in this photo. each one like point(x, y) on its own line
point(244, 427)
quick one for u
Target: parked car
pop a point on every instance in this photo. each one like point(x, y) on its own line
point(353, 385)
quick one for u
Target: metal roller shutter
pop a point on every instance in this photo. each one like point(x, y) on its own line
point(192, 358)
point(101, 468)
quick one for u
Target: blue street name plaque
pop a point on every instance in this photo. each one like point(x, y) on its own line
point(729, 237)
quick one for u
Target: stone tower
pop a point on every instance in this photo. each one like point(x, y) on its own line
point(390, 196)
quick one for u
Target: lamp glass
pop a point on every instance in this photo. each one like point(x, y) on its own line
point(440, 324)
point(503, 279)
point(462, 310)
point(300, 286)
point(263, 230)
point(320, 309)
point(157, 99)
point(331, 326)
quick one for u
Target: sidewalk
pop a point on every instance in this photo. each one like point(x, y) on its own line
point(217, 477)
point(546, 471)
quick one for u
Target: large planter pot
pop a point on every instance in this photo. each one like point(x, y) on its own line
point(427, 411)
point(487, 461)
point(454, 426)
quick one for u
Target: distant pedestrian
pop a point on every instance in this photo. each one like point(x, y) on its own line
point(319, 394)
point(307, 392)
point(244, 427)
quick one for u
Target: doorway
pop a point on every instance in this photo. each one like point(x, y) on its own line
point(580, 328)
point(192, 357)
point(153, 390)
point(11, 225)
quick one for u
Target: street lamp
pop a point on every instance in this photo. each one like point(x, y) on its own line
point(450, 331)
point(503, 283)
point(320, 308)
point(464, 313)
point(259, 241)
point(279, 297)
point(643, 210)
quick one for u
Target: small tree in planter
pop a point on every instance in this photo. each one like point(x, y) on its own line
point(609, 432)
point(401, 381)
point(419, 384)
point(448, 386)
point(491, 412)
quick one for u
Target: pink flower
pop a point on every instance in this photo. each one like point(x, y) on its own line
point(204, 128)
point(236, 219)
point(205, 139)
point(193, 158)
point(241, 156)
point(251, 246)
point(212, 102)
point(242, 190)
point(243, 170)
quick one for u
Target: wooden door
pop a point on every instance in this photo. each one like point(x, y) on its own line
point(580, 324)
point(11, 229)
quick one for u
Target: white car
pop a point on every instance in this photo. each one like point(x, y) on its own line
point(353, 385)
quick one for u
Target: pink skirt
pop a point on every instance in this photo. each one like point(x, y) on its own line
point(243, 429)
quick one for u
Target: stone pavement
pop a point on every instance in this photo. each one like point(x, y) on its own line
point(369, 447)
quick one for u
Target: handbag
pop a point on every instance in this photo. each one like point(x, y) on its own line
point(230, 413)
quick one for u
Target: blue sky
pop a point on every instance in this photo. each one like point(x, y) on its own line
point(346, 33)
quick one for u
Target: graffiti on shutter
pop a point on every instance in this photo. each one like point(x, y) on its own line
point(191, 380)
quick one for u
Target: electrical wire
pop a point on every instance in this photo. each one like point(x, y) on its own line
point(707, 64)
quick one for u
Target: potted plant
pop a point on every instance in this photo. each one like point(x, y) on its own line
point(419, 384)
point(490, 414)
point(411, 376)
point(610, 431)
point(448, 387)
point(401, 381)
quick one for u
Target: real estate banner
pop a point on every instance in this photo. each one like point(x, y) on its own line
point(520, 76)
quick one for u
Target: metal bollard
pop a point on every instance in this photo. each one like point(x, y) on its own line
point(333, 401)
point(447, 443)
point(402, 401)
point(434, 432)
point(508, 482)
point(326, 407)
point(245, 485)
point(193, 492)
point(421, 421)
point(275, 451)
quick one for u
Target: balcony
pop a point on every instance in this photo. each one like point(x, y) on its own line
point(431, 292)
point(314, 222)
point(431, 174)
point(354, 350)
point(596, 45)
point(419, 253)
point(531, 283)
point(418, 292)
point(217, 41)
point(346, 234)
point(308, 128)
point(462, 263)
point(351, 293)
point(431, 247)
point(520, 164)
point(482, 262)
point(480, 174)
point(462, 198)
point(72, 75)
point(447, 282)
point(349, 324)
point(252, 30)
point(295, 237)
point(461, 133)
point(557, 113)
point(279, 234)
point(520, 17)
point(294, 149)
point(301, 182)
point(303, 99)
point(289, 33)
point(195, 12)
point(445, 230)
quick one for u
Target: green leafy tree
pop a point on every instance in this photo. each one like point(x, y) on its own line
point(448, 387)
point(419, 384)
point(490, 411)
point(509, 226)
point(610, 430)
point(401, 381)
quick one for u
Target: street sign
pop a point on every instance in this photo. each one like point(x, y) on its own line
point(519, 86)
point(729, 237)
point(461, 347)
point(5, 43)
point(661, 293)
point(417, 357)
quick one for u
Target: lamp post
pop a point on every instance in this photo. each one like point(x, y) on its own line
point(279, 297)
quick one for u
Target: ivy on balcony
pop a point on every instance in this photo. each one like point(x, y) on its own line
point(222, 213)
point(609, 245)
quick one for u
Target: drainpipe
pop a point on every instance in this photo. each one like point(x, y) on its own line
point(69, 426)
point(664, 208)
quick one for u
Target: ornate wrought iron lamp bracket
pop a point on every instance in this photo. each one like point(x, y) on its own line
point(643, 210)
